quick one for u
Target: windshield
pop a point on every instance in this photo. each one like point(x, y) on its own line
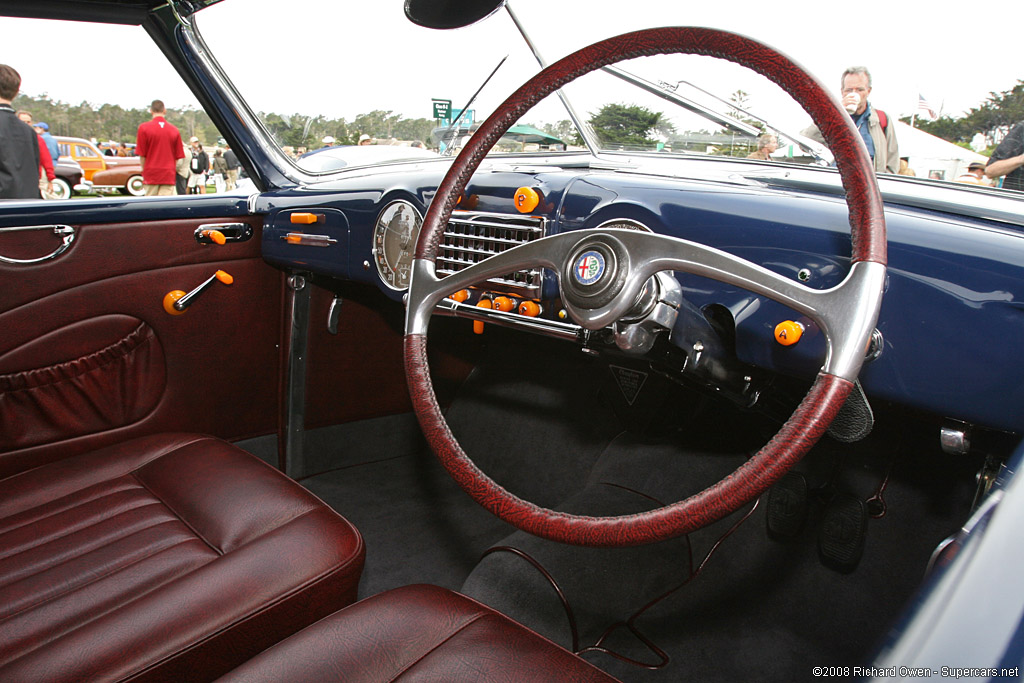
point(352, 73)
point(351, 81)
point(347, 75)
point(409, 86)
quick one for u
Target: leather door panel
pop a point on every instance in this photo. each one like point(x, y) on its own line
point(88, 356)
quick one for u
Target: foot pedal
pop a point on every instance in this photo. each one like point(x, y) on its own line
point(787, 506)
point(843, 529)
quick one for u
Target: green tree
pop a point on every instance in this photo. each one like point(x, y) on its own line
point(626, 125)
point(993, 118)
point(564, 130)
point(741, 102)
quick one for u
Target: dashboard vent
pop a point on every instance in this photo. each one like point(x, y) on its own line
point(473, 237)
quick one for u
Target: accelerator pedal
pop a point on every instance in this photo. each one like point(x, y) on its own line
point(787, 506)
point(843, 530)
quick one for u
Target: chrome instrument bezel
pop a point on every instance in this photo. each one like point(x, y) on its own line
point(381, 242)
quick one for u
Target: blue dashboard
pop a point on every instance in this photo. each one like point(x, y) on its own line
point(953, 281)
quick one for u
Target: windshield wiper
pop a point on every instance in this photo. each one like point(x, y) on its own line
point(668, 92)
point(815, 149)
point(452, 132)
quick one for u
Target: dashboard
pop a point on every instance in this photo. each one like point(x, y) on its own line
point(962, 270)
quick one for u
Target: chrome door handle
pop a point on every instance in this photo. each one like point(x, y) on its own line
point(221, 233)
point(65, 232)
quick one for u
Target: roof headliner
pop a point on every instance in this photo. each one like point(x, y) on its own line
point(104, 11)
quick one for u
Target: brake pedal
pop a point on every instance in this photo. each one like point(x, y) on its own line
point(787, 506)
point(843, 529)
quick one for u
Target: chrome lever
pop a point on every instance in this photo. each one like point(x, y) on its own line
point(65, 232)
point(222, 233)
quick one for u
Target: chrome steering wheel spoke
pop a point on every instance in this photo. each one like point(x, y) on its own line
point(845, 313)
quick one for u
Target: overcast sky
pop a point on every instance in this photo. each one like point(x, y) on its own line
point(339, 58)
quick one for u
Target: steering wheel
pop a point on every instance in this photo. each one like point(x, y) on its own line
point(603, 293)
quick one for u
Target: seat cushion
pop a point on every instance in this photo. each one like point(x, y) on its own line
point(416, 633)
point(172, 557)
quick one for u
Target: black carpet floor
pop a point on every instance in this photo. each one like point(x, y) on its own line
point(758, 608)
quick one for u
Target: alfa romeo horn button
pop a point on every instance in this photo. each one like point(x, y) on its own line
point(589, 267)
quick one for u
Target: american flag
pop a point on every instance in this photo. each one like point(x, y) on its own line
point(922, 105)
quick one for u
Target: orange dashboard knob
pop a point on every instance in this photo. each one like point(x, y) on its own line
point(226, 278)
point(526, 199)
point(460, 296)
point(503, 303)
point(788, 332)
point(478, 325)
point(529, 308)
point(169, 300)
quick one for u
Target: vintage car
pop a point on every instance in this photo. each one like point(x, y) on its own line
point(340, 156)
point(106, 173)
point(642, 409)
point(70, 178)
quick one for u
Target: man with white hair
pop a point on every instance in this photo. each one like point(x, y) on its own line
point(877, 131)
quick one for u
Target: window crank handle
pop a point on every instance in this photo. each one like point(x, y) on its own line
point(176, 302)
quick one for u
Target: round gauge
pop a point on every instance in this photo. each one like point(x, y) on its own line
point(394, 239)
point(625, 224)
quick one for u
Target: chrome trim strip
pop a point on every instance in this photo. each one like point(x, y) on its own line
point(543, 326)
point(685, 103)
point(292, 459)
point(307, 240)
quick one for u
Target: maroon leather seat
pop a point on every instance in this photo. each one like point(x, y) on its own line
point(416, 633)
point(174, 557)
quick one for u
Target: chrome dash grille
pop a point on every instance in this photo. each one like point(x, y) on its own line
point(473, 237)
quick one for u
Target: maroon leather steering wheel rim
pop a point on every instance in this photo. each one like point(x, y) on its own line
point(815, 412)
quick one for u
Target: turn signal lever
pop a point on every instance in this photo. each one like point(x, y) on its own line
point(177, 302)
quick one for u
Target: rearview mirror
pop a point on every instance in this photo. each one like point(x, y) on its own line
point(446, 14)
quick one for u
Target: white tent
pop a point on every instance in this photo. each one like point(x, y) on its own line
point(933, 157)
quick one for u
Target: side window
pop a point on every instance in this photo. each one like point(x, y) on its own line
point(95, 118)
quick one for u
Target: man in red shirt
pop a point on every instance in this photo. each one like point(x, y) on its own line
point(158, 143)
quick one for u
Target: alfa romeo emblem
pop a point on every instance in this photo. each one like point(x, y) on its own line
point(589, 267)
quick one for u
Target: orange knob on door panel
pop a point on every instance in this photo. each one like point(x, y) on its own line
point(788, 332)
point(304, 218)
point(526, 199)
point(177, 302)
point(503, 303)
point(216, 236)
point(169, 300)
point(530, 309)
point(478, 325)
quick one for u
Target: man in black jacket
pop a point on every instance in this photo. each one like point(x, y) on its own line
point(19, 144)
point(1007, 161)
point(233, 165)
